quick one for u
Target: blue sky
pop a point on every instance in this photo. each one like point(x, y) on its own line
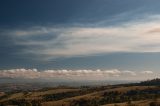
point(81, 35)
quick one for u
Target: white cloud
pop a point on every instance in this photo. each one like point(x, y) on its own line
point(147, 72)
point(138, 36)
point(22, 73)
point(72, 74)
point(129, 72)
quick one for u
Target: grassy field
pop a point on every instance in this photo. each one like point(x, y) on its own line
point(98, 96)
point(110, 95)
point(137, 103)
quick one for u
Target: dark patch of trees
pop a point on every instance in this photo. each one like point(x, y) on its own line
point(151, 82)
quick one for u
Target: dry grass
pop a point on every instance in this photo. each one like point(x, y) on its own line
point(90, 96)
point(2, 94)
point(36, 95)
point(95, 94)
point(13, 96)
point(125, 89)
point(134, 103)
point(54, 91)
point(67, 101)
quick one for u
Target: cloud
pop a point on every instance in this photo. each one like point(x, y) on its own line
point(155, 30)
point(72, 74)
point(20, 73)
point(147, 72)
point(134, 36)
point(130, 73)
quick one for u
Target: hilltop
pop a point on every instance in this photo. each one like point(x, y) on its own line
point(151, 82)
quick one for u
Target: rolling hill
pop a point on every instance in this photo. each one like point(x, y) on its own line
point(146, 93)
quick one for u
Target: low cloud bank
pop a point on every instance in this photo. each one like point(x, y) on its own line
point(90, 74)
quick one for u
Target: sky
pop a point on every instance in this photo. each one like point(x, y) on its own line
point(90, 39)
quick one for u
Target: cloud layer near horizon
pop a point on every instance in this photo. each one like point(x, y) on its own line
point(75, 74)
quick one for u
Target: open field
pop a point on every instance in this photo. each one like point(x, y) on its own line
point(109, 95)
point(137, 103)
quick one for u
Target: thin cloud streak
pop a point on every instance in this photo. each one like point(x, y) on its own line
point(147, 72)
point(135, 36)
